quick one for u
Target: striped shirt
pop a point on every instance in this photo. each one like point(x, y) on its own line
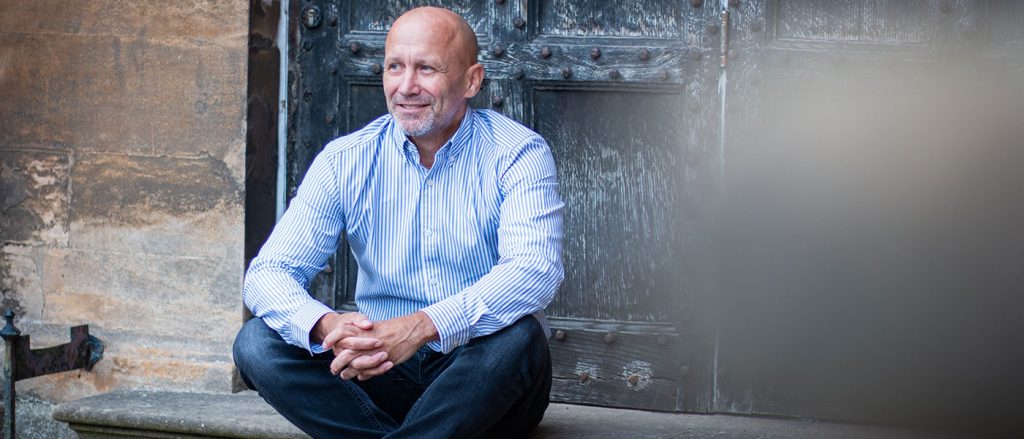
point(475, 241)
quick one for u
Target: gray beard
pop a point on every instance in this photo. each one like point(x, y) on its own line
point(423, 128)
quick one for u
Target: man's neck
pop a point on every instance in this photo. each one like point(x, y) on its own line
point(427, 150)
point(430, 144)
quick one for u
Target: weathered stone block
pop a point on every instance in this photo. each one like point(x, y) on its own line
point(179, 296)
point(132, 360)
point(157, 205)
point(127, 94)
point(194, 19)
point(122, 129)
point(21, 281)
point(34, 185)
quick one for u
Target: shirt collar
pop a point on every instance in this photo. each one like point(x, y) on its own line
point(448, 151)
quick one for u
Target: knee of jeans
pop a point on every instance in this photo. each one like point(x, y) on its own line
point(250, 344)
point(526, 339)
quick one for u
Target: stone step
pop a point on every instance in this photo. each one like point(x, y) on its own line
point(160, 414)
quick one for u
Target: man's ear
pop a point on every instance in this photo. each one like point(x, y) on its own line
point(474, 79)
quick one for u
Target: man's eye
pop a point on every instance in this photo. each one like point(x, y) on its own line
point(426, 69)
point(394, 67)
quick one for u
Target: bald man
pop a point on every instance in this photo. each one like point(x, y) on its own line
point(454, 218)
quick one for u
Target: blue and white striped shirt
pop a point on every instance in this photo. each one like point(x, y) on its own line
point(475, 241)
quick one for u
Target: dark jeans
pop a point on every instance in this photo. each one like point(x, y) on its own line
point(493, 386)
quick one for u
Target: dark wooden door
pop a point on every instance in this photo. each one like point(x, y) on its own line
point(619, 90)
point(862, 241)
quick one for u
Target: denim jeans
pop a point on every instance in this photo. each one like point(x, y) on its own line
point(493, 386)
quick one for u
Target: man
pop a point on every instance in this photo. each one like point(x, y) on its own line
point(454, 217)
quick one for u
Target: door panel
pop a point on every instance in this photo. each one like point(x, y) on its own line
point(620, 174)
point(624, 165)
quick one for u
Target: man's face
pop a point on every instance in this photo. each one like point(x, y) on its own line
point(424, 79)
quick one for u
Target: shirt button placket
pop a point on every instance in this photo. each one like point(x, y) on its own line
point(428, 242)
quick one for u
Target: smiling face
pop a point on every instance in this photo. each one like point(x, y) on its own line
point(430, 73)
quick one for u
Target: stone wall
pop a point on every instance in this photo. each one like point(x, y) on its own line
point(122, 185)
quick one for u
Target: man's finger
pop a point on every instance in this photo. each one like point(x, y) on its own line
point(333, 337)
point(359, 343)
point(379, 370)
point(368, 361)
point(348, 373)
point(342, 360)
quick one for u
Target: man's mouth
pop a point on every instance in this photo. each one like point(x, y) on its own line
point(412, 105)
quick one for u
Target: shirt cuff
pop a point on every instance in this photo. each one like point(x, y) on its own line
point(453, 329)
point(301, 324)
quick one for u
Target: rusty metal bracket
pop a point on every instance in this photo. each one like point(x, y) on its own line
point(21, 361)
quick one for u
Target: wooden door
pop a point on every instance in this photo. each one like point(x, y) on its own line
point(863, 242)
point(618, 89)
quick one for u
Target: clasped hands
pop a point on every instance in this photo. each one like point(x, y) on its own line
point(364, 349)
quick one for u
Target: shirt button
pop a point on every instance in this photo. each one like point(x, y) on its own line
point(433, 281)
point(429, 233)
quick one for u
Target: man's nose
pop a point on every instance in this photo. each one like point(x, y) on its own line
point(409, 84)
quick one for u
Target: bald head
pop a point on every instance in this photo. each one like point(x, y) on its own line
point(431, 74)
point(445, 26)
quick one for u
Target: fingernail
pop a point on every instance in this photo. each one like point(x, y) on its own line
point(378, 344)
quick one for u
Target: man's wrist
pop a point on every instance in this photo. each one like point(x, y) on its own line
point(323, 327)
point(425, 328)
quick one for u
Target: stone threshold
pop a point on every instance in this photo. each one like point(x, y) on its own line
point(162, 414)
